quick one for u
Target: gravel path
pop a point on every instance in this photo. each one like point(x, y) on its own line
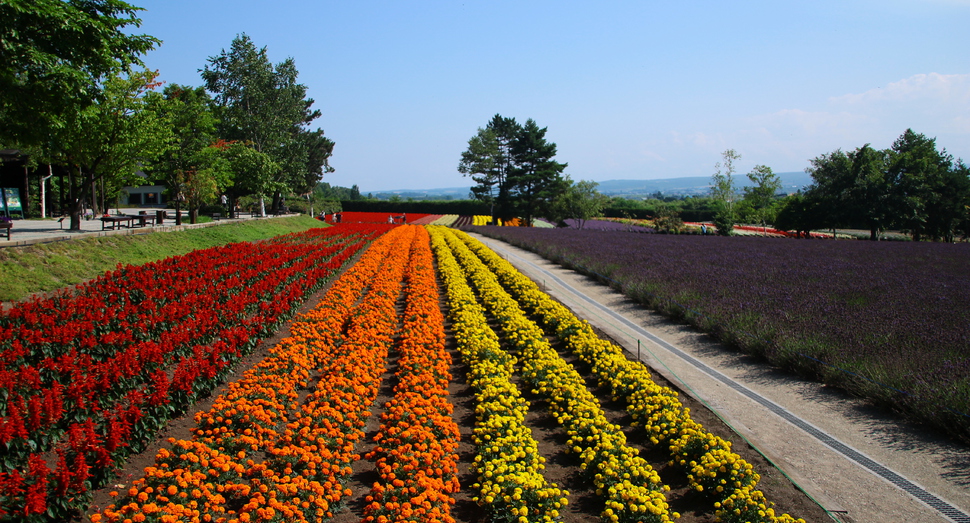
point(849, 491)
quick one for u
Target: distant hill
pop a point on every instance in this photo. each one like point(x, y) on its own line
point(687, 186)
point(691, 186)
point(448, 193)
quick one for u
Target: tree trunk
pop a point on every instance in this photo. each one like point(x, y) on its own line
point(873, 234)
point(178, 211)
point(276, 202)
point(26, 201)
point(75, 201)
point(94, 198)
point(43, 190)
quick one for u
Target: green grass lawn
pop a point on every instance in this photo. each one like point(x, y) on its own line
point(50, 266)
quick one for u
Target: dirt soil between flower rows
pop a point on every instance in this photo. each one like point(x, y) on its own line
point(822, 480)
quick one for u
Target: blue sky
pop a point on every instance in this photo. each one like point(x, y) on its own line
point(628, 90)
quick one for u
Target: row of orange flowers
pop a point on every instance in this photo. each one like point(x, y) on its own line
point(417, 442)
point(630, 488)
point(508, 466)
point(258, 455)
point(710, 464)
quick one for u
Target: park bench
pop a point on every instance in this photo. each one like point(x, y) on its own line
point(114, 222)
point(141, 220)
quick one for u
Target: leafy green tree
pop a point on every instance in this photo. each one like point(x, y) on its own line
point(252, 172)
point(912, 186)
point(579, 201)
point(264, 105)
point(318, 149)
point(723, 191)
point(801, 213)
point(761, 196)
point(931, 193)
point(667, 219)
point(201, 184)
point(488, 160)
point(187, 167)
point(55, 56)
point(535, 178)
point(871, 197)
point(109, 141)
point(854, 187)
point(832, 182)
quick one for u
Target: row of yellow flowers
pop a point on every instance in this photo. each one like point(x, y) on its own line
point(257, 455)
point(632, 491)
point(707, 459)
point(416, 444)
point(508, 466)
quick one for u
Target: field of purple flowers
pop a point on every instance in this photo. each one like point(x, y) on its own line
point(889, 321)
point(606, 225)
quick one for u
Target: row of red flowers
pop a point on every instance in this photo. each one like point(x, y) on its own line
point(89, 400)
point(376, 217)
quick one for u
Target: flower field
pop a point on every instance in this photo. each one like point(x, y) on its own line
point(631, 489)
point(887, 321)
point(88, 376)
point(288, 438)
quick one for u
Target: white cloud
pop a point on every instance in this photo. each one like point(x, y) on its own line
point(931, 88)
point(800, 122)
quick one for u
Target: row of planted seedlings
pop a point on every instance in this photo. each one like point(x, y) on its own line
point(729, 482)
point(86, 393)
point(415, 450)
point(510, 485)
point(630, 489)
point(261, 454)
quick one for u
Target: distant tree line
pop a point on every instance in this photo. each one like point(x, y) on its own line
point(912, 187)
point(74, 94)
point(460, 207)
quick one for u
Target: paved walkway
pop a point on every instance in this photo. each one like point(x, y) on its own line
point(33, 231)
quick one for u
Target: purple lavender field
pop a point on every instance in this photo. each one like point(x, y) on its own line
point(895, 313)
point(606, 225)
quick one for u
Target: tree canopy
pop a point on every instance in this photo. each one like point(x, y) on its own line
point(911, 186)
point(723, 191)
point(54, 58)
point(514, 168)
point(187, 167)
point(109, 141)
point(264, 105)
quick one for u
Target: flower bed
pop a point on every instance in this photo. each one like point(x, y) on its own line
point(631, 490)
point(278, 459)
point(89, 376)
point(708, 461)
point(416, 452)
point(508, 466)
point(889, 321)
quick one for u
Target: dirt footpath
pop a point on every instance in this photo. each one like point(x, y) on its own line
point(848, 490)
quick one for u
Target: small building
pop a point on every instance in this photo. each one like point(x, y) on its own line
point(144, 196)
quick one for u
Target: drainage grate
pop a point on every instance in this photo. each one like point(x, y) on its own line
point(945, 509)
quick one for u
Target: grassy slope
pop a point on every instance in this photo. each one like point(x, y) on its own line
point(50, 266)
